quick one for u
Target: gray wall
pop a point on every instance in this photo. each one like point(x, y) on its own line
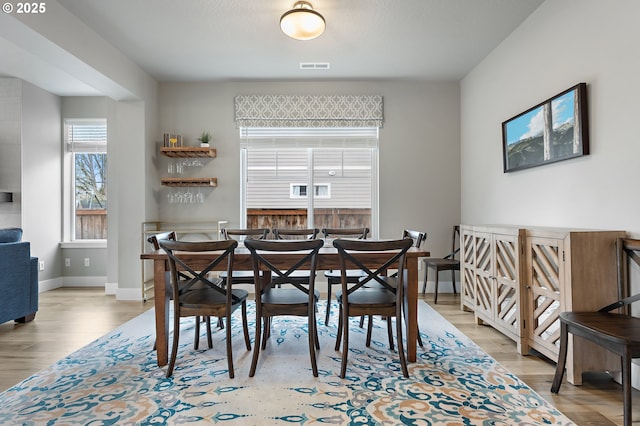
point(11, 146)
point(564, 42)
point(419, 146)
point(30, 168)
point(42, 177)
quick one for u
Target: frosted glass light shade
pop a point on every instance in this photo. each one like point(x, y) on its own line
point(302, 22)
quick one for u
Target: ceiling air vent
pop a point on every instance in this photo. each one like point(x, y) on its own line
point(314, 65)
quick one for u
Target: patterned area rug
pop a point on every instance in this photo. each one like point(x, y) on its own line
point(115, 380)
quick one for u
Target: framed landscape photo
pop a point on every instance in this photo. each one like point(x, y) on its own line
point(554, 130)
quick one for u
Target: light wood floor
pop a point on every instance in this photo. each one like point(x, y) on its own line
point(71, 318)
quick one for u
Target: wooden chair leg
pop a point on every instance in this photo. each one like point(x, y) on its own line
point(345, 347)
point(369, 330)
point(313, 340)
point(453, 280)
point(390, 333)
point(174, 346)
point(229, 348)
point(245, 326)
point(326, 317)
point(426, 275)
point(315, 329)
point(196, 338)
point(266, 331)
point(562, 358)
point(339, 333)
point(626, 385)
point(435, 288)
point(256, 345)
point(403, 359)
point(209, 338)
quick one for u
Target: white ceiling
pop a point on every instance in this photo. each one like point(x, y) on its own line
point(205, 40)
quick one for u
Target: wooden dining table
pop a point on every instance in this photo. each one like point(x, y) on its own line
point(328, 258)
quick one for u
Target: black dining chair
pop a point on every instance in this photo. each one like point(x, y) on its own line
point(296, 234)
point(283, 294)
point(386, 298)
point(241, 277)
point(333, 275)
point(446, 263)
point(199, 295)
point(154, 240)
point(418, 238)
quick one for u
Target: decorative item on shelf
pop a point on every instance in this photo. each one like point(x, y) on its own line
point(205, 138)
point(186, 196)
point(178, 166)
point(172, 140)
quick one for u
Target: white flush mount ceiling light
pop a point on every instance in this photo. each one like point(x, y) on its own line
point(302, 22)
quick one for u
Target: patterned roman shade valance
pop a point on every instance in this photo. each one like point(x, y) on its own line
point(308, 111)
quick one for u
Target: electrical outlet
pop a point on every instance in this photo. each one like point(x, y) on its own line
point(41, 265)
point(67, 262)
point(87, 262)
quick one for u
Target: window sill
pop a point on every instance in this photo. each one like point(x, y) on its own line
point(84, 244)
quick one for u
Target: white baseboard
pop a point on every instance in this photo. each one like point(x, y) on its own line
point(128, 293)
point(52, 284)
point(84, 281)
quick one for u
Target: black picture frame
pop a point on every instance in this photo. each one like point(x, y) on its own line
point(554, 130)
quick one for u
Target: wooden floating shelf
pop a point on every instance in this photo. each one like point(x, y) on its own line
point(190, 181)
point(189, 152)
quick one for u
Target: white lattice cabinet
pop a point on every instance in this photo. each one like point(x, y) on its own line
point(491, 274)
point(519, 279)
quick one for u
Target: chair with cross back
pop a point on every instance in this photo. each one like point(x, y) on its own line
point(200, 295)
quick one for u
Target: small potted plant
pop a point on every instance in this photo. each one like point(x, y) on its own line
point(205, 138)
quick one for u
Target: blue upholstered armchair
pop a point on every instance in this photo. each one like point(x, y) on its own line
point(18, 278)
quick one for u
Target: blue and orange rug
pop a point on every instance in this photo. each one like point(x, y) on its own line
point(115, 381)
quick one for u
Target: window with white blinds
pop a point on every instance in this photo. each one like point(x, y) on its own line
point(280, 165)
point(86, 135)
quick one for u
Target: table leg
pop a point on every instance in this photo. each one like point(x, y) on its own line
point(161, 302)
point(412, 308)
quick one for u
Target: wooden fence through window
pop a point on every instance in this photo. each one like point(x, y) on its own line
point(91, 224)
point(297, 218)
